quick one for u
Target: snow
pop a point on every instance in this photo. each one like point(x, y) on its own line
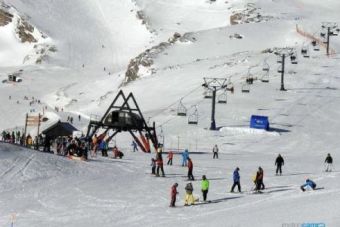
point(45, 189)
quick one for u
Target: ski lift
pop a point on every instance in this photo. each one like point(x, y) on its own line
point(230, 86)
point(193, 117)
point(222, 98)
point(265, 77)
point(305, 52)
point(279, 70)
point(208, 93)
point(181, 109)
point(245, 88)
point(313, 43)
point(249, 78)
point(279, 59)
point(266, 66)
point(323, 34)
point(293, 59)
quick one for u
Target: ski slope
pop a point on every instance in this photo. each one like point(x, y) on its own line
point(43, 189)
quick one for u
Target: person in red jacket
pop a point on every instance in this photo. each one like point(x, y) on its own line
point(170, 156)
point(190, 167)
point(173, 194)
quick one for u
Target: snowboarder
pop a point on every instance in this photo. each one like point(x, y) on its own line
point(204, 187)
point(189, 197)
point(153, 166)
point(308, 185)
point(173, 194)
point(279, 162)
point(190, 168)
point(329, 163)
point(185, 156)
point(170, 156)
point(134, 146)
point(215, 151)
point(259, 180)
point(236, 178)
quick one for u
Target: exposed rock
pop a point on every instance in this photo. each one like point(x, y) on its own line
point(250, 14)
point(145, 59)
point(5, 17)
point(24, 31)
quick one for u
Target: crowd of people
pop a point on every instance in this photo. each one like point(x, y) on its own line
point(190, 199)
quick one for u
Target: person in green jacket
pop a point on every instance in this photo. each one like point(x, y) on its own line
point(204, 187)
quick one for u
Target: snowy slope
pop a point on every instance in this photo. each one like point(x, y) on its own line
point(105, 192)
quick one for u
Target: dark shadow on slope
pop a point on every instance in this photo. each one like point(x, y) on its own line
point(279, 130)
point(217, 200)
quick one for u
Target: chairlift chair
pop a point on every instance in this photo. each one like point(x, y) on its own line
point(181, 109)
point(279, 59)
point(265, 78)
point(279, 69)
point(313, 43)
point(316, 48)
point(208, 93)
point(222, 98)
point(293, 59)
point(245, 88)
point(193, 117)
point(266, 66)
point(305, 52)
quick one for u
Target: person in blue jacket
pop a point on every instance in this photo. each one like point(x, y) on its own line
point(309, 184)
point(185, 156)
point(236, 178)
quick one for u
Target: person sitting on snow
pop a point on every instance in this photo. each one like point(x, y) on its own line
point(189, 197)
point(308, 185)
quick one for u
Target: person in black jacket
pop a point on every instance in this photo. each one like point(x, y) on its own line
point(329, 163)
point(279, 162)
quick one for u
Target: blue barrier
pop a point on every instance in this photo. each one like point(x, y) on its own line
point(259, 122)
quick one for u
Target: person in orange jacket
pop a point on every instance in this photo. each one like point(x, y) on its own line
point(170, 156)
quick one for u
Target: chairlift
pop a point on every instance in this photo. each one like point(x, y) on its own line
point(265, 78)
point(293, 59)
point(266, 66)
point(245, 88)
point(181, 109)
point(305, 52)
point(316, 48)
point(208, 93)
point(222, 98)
point(230, 86)
point(193, 117)
point(334, 32)
point(322, 34)
point(279, 59)
point(313, 43)
point(279, 69)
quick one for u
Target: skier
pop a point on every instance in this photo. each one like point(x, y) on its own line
point(189, 197)
point(170, 156)
point(134, 146)
point(159, 161)
point(79, 117)
point(103, 147)
point(279, 162)
point(204, 187)
point(259, 180)
point(173, 194)
point(329, 163)
point(153, 166)
point(190, 168)
point(215, 151)
point(185, 156)
point(236, 178)
point(308, 185)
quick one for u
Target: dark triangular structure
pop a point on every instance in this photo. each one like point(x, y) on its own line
point(125, 116)
point(59, 129)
